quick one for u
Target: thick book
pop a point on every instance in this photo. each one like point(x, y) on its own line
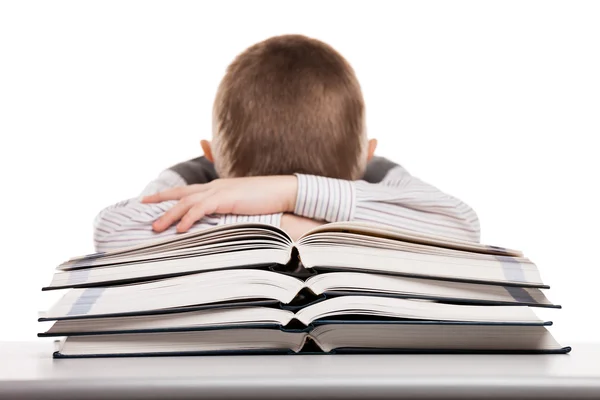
point(328, 337)
point(349, 246)
point(344, 308)
point(235, 286)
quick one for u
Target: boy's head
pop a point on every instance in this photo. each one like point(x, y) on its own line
point(289, 104)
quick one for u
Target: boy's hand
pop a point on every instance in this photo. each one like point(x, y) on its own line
point(242, 196)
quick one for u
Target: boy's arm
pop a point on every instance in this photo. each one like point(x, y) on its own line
point(399, 200)
point(129, 222)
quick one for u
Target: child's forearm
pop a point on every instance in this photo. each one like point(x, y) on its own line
point(400, 200)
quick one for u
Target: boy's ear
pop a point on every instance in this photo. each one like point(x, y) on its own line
point(205, 144)
point(372, 147)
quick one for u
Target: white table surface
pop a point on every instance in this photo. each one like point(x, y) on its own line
point(28, 371)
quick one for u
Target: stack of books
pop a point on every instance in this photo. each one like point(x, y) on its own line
point(341, 288)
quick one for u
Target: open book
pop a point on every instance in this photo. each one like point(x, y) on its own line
point(230, 287)
point(348, 246)
point(328, 337)
point(368, 307)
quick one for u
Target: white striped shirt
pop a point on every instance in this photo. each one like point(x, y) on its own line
point(399, 200)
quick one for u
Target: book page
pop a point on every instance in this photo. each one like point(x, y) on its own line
point(378, 230)
point(225, 234)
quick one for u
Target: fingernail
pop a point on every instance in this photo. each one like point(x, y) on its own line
point(182, 227)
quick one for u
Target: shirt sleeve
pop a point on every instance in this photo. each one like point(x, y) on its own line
point(399, 200)
point(129, 222)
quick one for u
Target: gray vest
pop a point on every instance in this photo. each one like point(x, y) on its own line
point(200, 170)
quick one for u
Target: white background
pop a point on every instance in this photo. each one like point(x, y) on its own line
point(497, 103)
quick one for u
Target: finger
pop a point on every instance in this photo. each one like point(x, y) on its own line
point(196, 213)
point(177, 211)
point(158, 197)
point(171, 216)
point(174, 194)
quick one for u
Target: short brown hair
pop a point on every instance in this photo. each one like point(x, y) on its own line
point(289, 104)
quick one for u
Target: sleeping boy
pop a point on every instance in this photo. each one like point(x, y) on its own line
point(289, 147)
